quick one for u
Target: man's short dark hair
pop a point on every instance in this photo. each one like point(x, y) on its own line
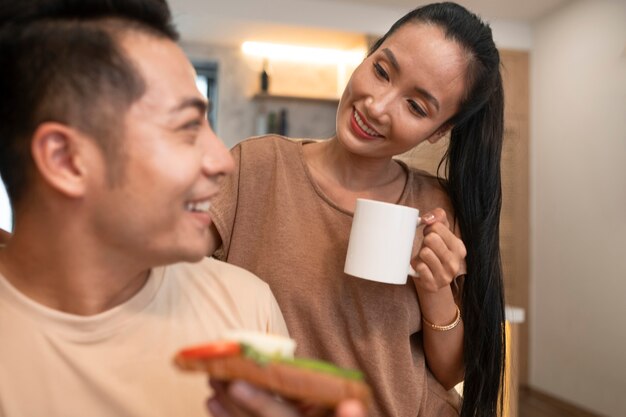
point(61, 60)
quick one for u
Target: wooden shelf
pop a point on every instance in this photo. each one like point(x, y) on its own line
point(275, 97)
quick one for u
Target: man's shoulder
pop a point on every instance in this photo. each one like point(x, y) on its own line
point(214, 294)
point(214, 273)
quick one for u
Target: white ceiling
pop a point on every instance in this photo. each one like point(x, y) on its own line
point(335, 23)
point(518, 10)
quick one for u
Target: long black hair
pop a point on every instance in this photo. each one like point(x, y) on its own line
point(472, 162)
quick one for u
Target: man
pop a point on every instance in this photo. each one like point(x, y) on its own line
point(110, 166)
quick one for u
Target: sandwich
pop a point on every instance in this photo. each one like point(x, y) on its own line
point(267, 361)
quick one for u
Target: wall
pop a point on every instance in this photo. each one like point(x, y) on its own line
point(236, 20)
point(578, 205)
point(238, 82)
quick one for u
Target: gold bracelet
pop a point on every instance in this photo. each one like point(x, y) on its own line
point(450, 326)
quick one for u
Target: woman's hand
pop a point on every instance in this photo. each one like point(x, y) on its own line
point(240, 399)
point(442, 256)
point(439, 261)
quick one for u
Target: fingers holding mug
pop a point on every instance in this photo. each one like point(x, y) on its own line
point(441, 257)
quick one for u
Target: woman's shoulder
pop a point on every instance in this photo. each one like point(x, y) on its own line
point(428, 191)
point(260, 157)
point(265, 149)
point(424, 180)
point(270, 141)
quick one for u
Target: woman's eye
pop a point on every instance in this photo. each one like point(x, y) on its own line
point(416, 108)
point(380, 71)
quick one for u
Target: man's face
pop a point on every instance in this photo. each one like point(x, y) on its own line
point(158, 211)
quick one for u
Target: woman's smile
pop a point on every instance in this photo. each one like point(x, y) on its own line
point(362, 128)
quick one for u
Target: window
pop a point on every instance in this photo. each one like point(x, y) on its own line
point(5, 210)
point(206, 80)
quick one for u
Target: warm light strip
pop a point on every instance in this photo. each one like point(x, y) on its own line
point(303, 53)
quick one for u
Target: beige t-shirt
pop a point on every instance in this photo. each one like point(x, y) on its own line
point(119, 363)
point(277, 223)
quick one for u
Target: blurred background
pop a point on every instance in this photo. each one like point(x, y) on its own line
point(280, 66)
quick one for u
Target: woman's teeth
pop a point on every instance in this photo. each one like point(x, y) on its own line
point(363, 126)
point(202, 207)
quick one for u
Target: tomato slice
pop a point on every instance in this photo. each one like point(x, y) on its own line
point(212, 350)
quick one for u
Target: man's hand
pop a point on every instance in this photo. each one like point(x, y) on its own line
point(240, 399)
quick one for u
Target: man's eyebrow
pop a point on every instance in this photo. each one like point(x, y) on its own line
point(394, 62)
point(193, 102)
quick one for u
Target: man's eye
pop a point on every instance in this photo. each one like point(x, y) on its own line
point(381, 71)
point(193, 124)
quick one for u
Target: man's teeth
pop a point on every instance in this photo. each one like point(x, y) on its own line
point(200, 206)
point(363, 126)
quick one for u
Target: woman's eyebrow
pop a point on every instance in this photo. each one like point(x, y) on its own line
point(392, 58)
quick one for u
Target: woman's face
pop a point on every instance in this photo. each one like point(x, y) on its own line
point(403, 93)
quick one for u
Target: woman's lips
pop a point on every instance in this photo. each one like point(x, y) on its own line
point(362, 128)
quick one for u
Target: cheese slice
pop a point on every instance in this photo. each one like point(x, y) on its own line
point(268, 344)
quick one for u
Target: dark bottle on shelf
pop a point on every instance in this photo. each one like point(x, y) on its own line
point(265, 78)
point(272, 125)
point(282, 123)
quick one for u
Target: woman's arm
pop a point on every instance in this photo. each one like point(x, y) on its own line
point(439, 261)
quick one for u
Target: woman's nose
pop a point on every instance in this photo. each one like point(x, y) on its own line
point(377, 106)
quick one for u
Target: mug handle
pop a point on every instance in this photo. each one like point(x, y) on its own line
point(412, 272)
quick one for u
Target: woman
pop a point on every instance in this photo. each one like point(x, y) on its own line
point(286, 216)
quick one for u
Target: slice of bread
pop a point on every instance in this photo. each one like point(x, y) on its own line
point(282, 377)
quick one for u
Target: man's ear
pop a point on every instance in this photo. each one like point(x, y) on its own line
point(439, 133)
point(58, 153)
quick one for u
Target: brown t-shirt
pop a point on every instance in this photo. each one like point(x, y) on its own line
point(276, 222)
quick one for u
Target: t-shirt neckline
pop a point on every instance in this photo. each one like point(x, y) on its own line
point(84, 328)
point(327, 199)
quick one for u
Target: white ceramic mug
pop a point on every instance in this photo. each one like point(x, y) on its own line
point(381, 241)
